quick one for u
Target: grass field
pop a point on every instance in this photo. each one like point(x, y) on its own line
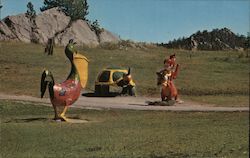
point(27, 131)
point(218, 77)
point(222, 78)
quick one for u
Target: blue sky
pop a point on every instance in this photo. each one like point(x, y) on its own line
point(157, 20)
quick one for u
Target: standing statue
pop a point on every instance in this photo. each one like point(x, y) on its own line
point(165, 78)
point(66, 93)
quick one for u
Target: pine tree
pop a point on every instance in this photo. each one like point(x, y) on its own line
point(98, 30)
point(30, 13)
point(76, 9)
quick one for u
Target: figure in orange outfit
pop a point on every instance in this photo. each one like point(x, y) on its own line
point(166, 77)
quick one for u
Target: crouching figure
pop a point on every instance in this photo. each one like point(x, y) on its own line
point(127, 84)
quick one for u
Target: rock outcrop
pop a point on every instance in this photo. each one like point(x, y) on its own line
point(50, 23)
point(6, 33)
point(217, 39)
point(55, 24)
point(80, 31)
point(107, 36)
point(16, 28)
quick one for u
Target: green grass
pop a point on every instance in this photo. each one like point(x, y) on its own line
point(27, 130)
point(223, 74)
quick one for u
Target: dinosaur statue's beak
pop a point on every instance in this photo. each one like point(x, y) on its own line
point(81, 63)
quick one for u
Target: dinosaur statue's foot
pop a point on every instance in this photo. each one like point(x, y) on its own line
point(57, 119)
point(64, 118)
point(60, 118)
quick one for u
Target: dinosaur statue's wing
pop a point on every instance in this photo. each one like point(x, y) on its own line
point(81, 63)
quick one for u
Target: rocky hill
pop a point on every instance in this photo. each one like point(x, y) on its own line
point(52, 24)
point(217, 39)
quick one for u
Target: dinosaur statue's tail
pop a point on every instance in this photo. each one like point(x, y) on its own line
point(47, 80)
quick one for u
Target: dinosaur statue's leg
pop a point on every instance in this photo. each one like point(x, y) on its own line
point(62, 115)
point(56, 114)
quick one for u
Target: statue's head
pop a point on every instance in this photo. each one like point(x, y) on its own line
point(70, 50)
point(71, 41)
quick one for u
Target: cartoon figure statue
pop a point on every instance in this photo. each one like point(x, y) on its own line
point(166, 77)
point(66, 93)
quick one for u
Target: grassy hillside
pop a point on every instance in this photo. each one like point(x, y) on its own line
point(215, 77)
point(27, 131)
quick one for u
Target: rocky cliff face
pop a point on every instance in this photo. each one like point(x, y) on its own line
point(51, 24)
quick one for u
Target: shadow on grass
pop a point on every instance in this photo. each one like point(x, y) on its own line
point(42, 119)
point(161, 103)
point(94, 149)
point(26, 120)
point(170, 154)
point(111, 94)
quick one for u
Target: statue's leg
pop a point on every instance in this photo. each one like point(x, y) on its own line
point(124, 90)
point(131, 90)
point(163, 93)
point(176, 98)
point(175, 94)
point(168, 93)
point(173, 90)
point(56, 114)
point(62, 115)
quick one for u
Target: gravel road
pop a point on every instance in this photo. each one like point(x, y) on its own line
point(133, 103)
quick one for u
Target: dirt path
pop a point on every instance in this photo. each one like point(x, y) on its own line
point(135, 103)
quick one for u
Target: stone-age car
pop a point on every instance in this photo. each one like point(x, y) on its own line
point(116, 77)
